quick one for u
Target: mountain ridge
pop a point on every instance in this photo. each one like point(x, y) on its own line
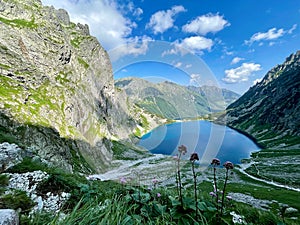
point(269, 110)
point(174, 101)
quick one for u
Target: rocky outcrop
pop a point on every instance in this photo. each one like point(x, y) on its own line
point(57, 92)
point(269, 111)
point(10, 155)
point(9, 217)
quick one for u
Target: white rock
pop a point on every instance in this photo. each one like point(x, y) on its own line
point(291, 210)
point(8, 217)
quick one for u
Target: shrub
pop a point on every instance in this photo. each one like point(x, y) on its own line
point(27, 165)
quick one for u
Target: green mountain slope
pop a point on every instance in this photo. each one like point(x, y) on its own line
point(173, 101)
point(269, 111)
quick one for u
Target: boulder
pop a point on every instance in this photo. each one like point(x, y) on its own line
point(8, 217)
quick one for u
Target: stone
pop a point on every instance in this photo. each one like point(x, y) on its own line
point(9, 217)
point(10, 155)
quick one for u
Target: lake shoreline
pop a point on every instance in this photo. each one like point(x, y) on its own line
point(173, 135)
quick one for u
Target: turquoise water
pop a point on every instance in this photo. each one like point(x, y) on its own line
point(207, 139)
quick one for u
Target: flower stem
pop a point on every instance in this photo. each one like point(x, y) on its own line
point(195, 188)
point(179, 180)
point(223, 194)
point(216, 192)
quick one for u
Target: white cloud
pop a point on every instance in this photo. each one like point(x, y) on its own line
point(271, 34)
point(271, 43)
point(188, 66)
point(163, 20)
point(196, 44)
point(134, 46)
point(178, 64)
point(242, 73)
point(138, 12)
point(257, 81)
point(105, 19)
point(294, 27)
point(236, 60)
point(195, 78)
point(205, 24)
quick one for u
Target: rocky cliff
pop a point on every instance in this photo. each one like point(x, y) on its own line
point(269, 111)
point(57, 96)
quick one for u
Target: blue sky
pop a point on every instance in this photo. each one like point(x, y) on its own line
point(231, 44)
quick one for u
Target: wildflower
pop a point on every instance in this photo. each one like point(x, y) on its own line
point(194, 157)
point(215, 162)
point(154, 181)
point(122, 180)
point(182, 149)
point(213, 194)
point(228, 165)
point(158, 195)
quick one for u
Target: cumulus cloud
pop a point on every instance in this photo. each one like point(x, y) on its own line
point(271, 34)
point(163, 20)
point(134, 46)
point(209, 23)
point(242, 73)
point(98, 15)
point(194, 44)
point(236, 60)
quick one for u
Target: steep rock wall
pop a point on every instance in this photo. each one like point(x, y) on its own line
point(57, 87)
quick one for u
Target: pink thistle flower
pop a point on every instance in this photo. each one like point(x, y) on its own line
point(123, 180)
point(182, 149)
point(154, 181)
point(228, 165)
point(215, 162)
point(213, 194)
point(194, 157)
point(158, 195)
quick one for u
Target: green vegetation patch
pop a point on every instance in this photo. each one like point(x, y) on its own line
point(75, 42)
point(21, 23)
point(15, 200)
point(27, 165)
point(124, 151)
point(83, 63)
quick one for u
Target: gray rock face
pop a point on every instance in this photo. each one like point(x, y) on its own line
point(8, 217)
point(271, 107)
point(57, 90)
point(10, 155)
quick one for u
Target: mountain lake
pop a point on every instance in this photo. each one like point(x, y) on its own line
point(207, 139)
